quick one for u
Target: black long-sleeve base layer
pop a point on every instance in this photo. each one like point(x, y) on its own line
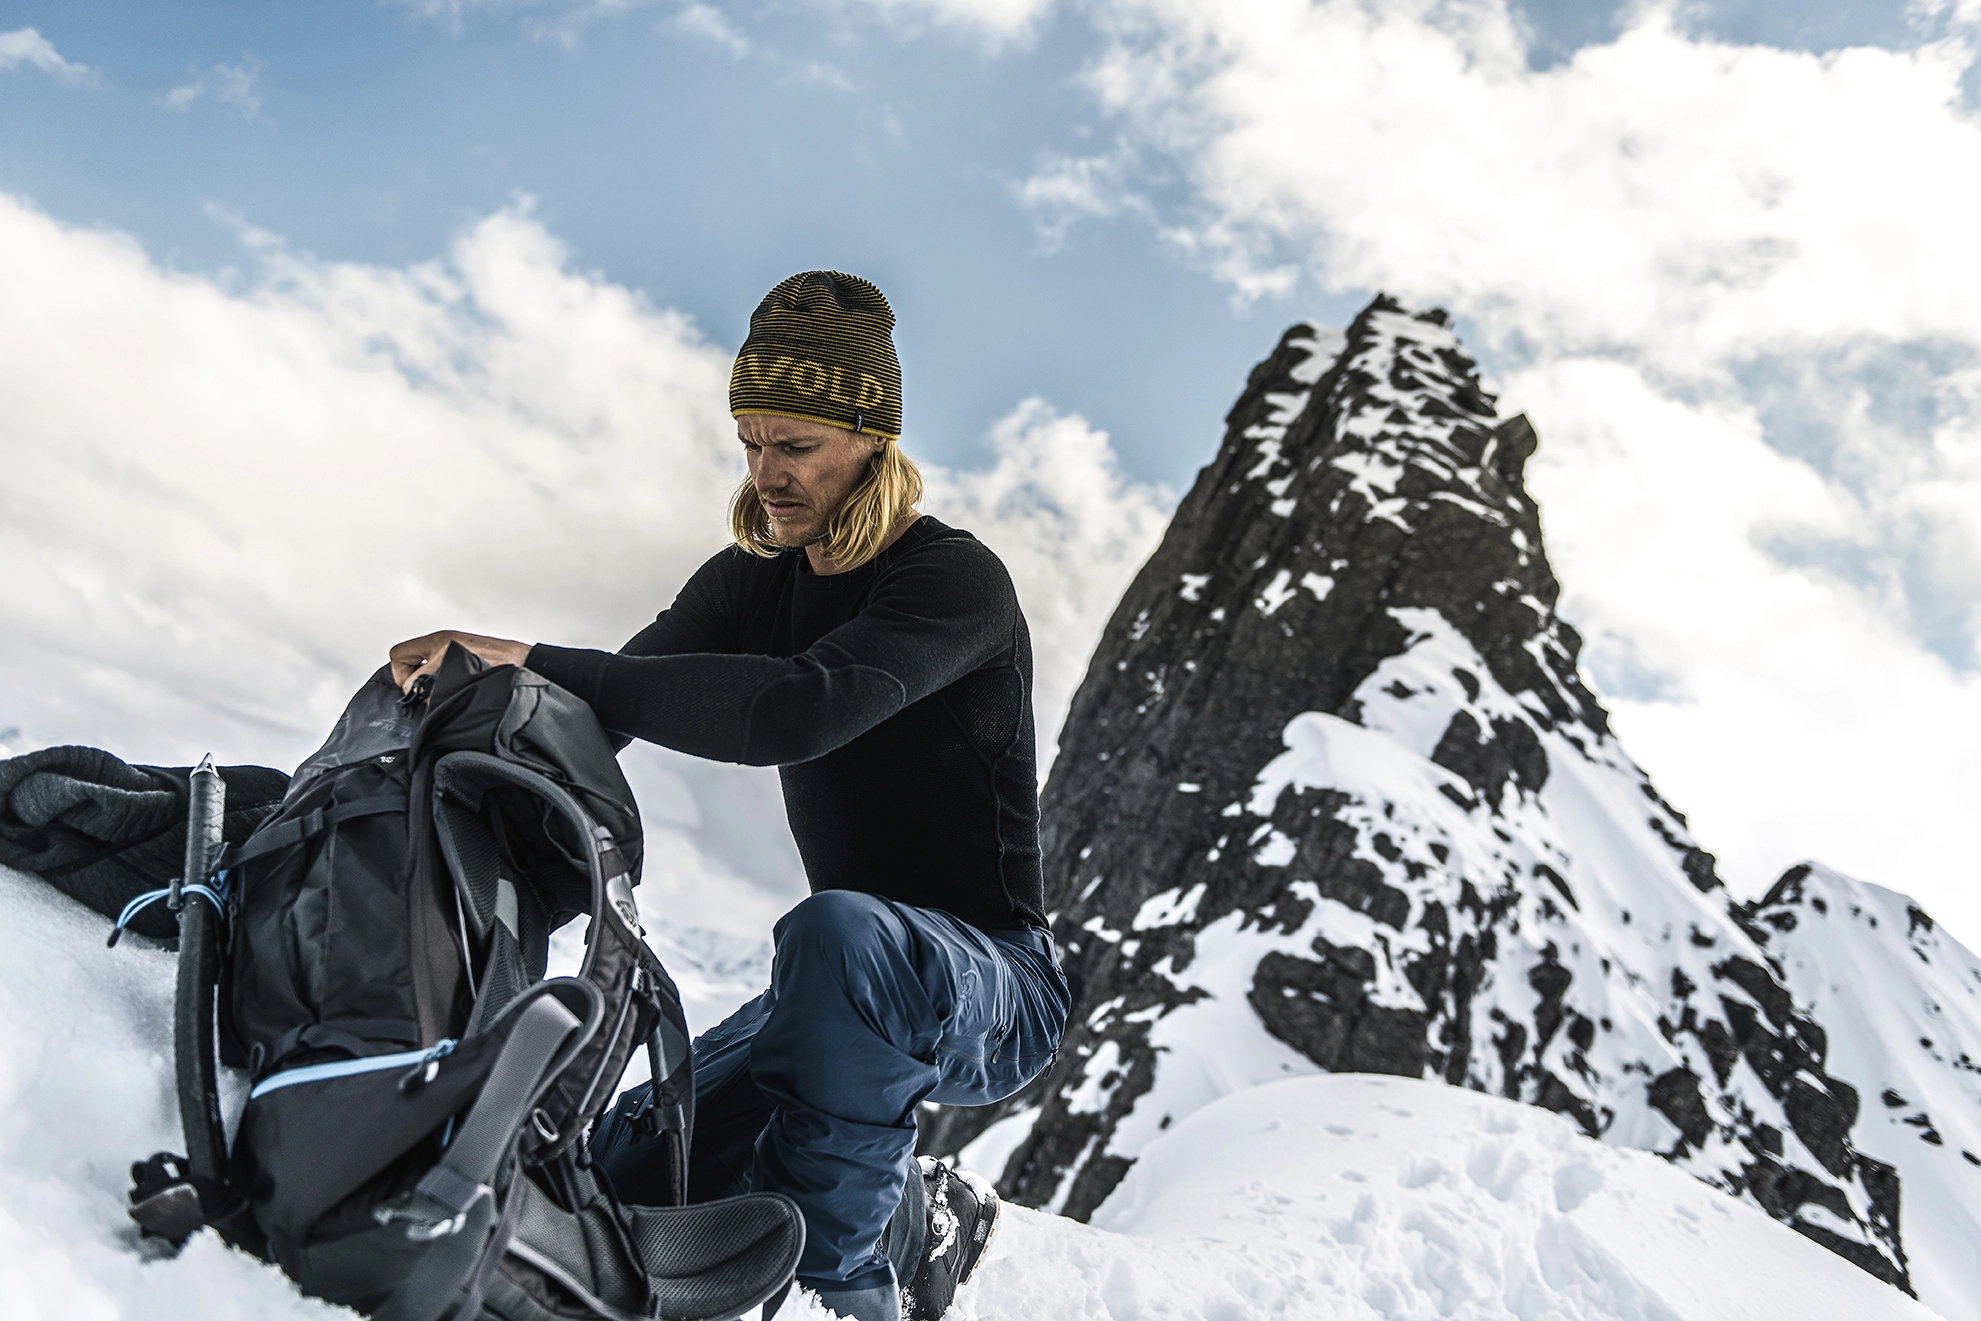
point(895, 701)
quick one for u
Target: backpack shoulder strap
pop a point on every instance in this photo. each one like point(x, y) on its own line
point(460, 1190)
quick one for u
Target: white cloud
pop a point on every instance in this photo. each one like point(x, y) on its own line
point(224, 501)
point(222, 505)
point(235, 85)
point(1782, 710)
point(710, 24)
point(1071, 527)
point(26, 46)
point(1064, 190)
point(1962, 13)
point(1768, 251)
point(996, 21)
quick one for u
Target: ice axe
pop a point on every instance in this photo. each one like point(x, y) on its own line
point(171, 1195)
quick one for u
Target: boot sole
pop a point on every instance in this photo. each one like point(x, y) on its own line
point(997, 1217)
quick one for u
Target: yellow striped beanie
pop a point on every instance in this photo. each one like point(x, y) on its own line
point(821, 349)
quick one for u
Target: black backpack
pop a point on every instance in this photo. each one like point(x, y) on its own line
point(414, 1140)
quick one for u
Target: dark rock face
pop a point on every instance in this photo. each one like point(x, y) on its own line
point(1335, 796)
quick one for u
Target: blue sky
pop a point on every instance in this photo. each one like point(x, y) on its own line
point(701, 173)
point(672, 166)
point(1721, 253)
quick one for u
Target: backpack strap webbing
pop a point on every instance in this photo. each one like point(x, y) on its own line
point(288, 834)
point(460, 1187)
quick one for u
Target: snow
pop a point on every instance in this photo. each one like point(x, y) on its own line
point(1103, 1075)
point(1207, 1054)
point(1902, 1002)
point(1322, 347)
point(1338, 1196)
point(1631, 909)
point(1169, 908)
point(992, 1149)
point(1276, 593)
point(1356, 1199)
point(1325, 752)
point(1590, 866)
point(85, 1089)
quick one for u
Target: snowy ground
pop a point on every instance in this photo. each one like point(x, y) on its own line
point(1331, 1197)
point(85, 1089)
point(1353, 1198)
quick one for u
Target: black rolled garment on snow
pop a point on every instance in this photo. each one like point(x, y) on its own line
point(103, 831)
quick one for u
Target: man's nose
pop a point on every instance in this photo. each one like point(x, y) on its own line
point(770, 474)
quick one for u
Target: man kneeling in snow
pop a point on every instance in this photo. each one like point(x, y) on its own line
point(879, 659)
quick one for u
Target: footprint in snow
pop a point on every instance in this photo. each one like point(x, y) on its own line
point(1574, 1183)
point(1497, 1170)
point(1422, 1173)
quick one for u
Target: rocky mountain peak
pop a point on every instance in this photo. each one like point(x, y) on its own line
point(1335, 796)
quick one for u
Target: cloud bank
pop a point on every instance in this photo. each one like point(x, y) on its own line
point(1734, 286)
point(225, 499)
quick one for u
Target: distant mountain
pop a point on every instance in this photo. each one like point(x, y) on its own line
point(1335, 796)
point(1901, 1001)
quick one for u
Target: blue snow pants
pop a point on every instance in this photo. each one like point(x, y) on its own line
point(810, 1089)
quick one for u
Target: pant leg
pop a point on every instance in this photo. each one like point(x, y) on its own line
point(874, 1008)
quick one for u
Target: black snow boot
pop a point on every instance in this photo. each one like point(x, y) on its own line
point(962, 1215)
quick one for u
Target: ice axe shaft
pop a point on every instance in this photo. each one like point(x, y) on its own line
point(199, 963)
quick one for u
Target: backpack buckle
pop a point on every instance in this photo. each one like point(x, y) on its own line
point(443, 1188)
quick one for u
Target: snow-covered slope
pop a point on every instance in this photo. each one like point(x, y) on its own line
point(1336, 796)
point(85, 1089)
point(1357, 1198)
point(1901, 1001)
point(1326, 1197)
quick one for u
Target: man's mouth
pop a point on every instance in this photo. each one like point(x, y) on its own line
point(781, 508)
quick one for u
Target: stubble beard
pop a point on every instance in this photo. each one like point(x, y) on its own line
point(811, 534)
point(814, 530)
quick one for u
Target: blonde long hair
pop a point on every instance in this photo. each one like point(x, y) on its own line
point(857, 529)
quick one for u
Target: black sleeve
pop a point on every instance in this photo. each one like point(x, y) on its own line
point(931, 618)
point(701, 619)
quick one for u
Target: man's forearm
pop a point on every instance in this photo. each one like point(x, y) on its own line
point(757, 710)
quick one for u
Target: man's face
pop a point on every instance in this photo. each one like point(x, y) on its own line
point(803, 472)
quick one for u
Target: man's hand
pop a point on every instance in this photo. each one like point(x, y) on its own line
point(417, 656)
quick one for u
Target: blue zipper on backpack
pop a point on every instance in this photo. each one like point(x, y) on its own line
point(346, 1068)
